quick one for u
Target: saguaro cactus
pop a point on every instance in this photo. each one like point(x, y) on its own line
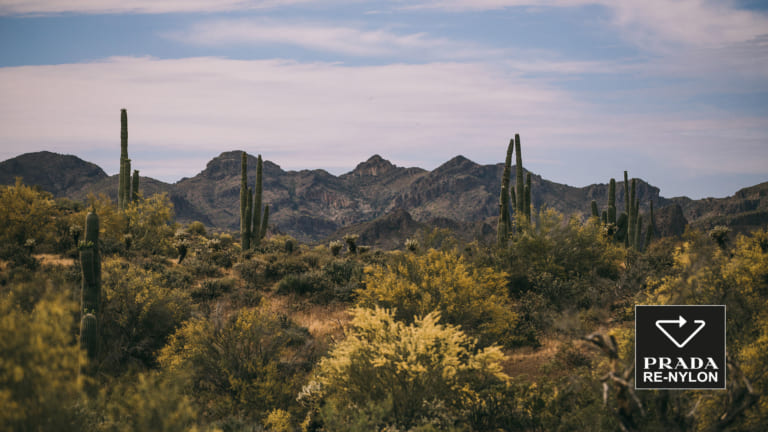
point(632, 214)
point(259, 222)
point(527, 202)
point(90, 295)
point(245, 196)
point(612, 202)
point(595, 212)
point(505, 222)
point(89, 335)
point(519, 178)
point(135, 186)
point(651, 227)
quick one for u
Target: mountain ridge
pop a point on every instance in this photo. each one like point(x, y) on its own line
point(314, 204)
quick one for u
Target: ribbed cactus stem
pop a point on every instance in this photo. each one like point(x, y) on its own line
point(244, 197)
point(528, 196)
point(89, 335)
point(90, 293)
point(638, 233)
point(264, 222)
point(519, 178)
point(247, 236)
point(135, 186)
point(256, 222)
point(595, 211)
point(632, 223)
point(504, 224)
point(612, 201)
point(627, 204)
point(621, 227)
point(604, 217)
point(121, 179)
point(651, 227)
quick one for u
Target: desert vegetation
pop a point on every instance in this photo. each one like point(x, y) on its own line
point(113, 317)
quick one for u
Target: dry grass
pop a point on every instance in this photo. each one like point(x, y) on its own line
point(324, 321)
point(527, 362)
point(51, 259)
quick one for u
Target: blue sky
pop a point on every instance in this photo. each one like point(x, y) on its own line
point(674, 91)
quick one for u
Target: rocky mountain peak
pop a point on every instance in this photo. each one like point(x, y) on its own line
point(374, 166)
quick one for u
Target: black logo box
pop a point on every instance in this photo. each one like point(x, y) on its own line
point(696, 357)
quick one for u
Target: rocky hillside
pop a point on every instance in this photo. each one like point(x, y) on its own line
point(314, 204)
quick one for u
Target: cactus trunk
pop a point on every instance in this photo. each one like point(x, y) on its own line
point(612, 202)
point(264, 222)
point(519, 178)
point(651, 227)
point(595, 212)
point(502, 231)
point(90, 294)
point(135, 186)
point(122, 180)
point(244, 196)
point(256, 222)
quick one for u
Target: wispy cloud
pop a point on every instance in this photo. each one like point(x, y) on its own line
point(44, 7)
point(651, 23)
point(328, 37)
point(309, 115)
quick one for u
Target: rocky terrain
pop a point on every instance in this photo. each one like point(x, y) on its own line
point(377, 198)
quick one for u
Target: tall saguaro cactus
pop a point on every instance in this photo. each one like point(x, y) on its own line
point(612, 202)
point(245, 196)
point(505, 222)
point(651, 227)
point(135, 186)
point(90, 294)
point(253, 225)
point(124, 178)
point(519, 178)
point(259, 229)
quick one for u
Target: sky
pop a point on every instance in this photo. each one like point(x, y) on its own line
point(673, 91)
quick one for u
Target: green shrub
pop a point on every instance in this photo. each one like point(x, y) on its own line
point(474, 298)
point(390, 374)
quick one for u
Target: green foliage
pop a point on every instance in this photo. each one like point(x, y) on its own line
point(467, 296)
point(147, 402)
point(196, 228)
point(151, 224)
point(142, 315)
point(39, 384)
point(390, 374)
point(234, 365)
point(25, 213)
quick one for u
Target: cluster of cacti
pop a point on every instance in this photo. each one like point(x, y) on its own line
point(520, 199)
point(90, 294)
point(628, 227)
point(127, 188)
point(253, 224)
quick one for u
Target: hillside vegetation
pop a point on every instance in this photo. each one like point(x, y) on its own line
point(196, 332)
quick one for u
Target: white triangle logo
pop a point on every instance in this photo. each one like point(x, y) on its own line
point(680, 321)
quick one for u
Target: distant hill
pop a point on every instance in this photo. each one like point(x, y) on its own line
point(58, 174)
point(377, 199)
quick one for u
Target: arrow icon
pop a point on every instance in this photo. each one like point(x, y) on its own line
point(680, 321)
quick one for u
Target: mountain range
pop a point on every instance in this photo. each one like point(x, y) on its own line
point(378, 200)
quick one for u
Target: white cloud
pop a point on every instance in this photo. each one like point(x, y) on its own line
point(650, 23)
point(341, 39)
point(42, 7)
point(310, 115)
